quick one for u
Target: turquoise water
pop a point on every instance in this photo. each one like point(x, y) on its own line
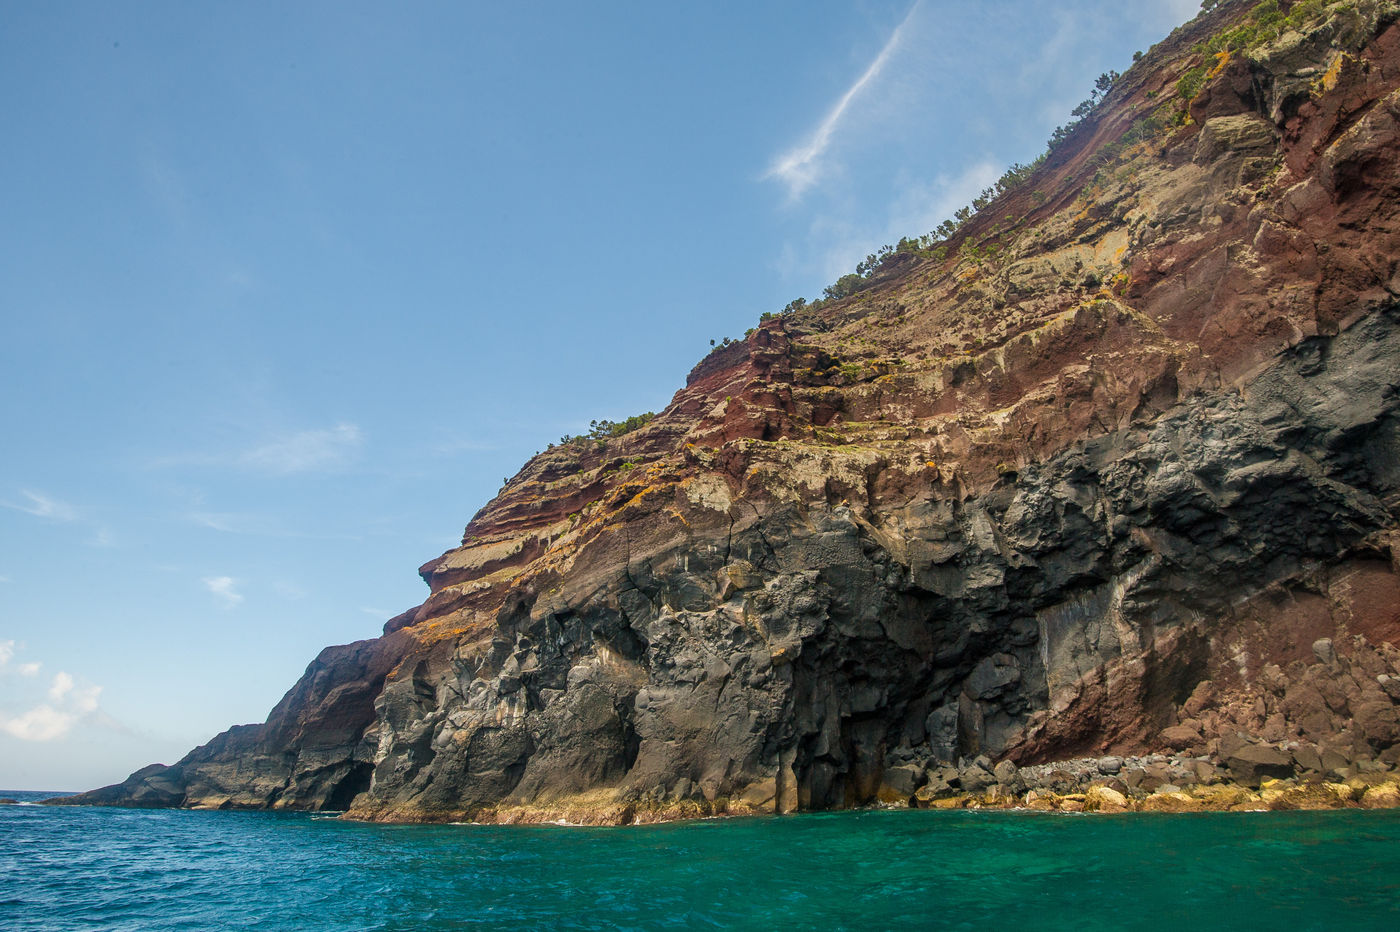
point(115, 869)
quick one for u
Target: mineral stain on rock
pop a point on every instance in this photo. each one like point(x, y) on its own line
point(1092, 508)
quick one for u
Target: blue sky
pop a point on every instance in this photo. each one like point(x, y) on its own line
point(286, 290)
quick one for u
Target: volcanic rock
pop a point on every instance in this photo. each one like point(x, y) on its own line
point(1120, 454)
point(1253, 763)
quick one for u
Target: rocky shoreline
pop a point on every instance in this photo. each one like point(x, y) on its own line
point(1257, 777)
point(1163, 783)
point(1247, 775)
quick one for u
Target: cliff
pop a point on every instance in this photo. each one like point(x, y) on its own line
point(1113, 471)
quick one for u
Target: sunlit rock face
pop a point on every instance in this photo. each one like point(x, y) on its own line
point(1098, 475)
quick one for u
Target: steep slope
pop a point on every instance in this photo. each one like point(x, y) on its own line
point(1113, 470)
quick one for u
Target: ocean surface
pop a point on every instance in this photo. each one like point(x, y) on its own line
point(119, 869)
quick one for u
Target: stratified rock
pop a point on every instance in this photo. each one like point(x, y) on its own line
point(1111, 471)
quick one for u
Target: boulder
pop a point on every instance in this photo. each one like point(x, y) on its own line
point(1180, 737)
point(1173, 801)
point(974, 778)
point(1105, 799)
point(1305, 757)
point(1253, 763)
point(901, 782)
point(1385, 796)
point(1334, 761)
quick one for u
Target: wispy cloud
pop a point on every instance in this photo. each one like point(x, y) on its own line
point(42, 506)
point(52, 715)
point(227, 522)
point(836, 244)
point(304, 451)
point(921, 207)
point(223, 588)
point(800, 167)
point(461, 445)
point(256, 525)
point(279, 454)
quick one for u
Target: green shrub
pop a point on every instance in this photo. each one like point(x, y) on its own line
point(1190, 83)
point(845, 286)
point(601, 431)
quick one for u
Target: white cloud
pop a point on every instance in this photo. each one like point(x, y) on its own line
point(41, 723)
point(85, 698)
point(62, 686)
point(800, 167)
point(42, 506)
point(223, 588)
point(304, 451)
point(51, 717)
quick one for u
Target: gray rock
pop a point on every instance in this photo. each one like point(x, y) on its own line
point(1253, 763)
point(1334, 762)
point(993, 676)
point(973, 778)
point(1322, 650)
point(1306, 757)
point(1110, 765)
point(904, 779)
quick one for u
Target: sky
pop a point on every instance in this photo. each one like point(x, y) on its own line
point(288, 290)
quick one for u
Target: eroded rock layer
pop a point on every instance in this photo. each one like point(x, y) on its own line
point(1115, 471)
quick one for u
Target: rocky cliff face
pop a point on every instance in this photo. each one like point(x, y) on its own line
point(1116, 471)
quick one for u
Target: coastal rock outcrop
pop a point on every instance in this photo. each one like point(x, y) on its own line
point(1111, 474)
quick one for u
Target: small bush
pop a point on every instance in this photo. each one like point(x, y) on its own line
point(601, 431)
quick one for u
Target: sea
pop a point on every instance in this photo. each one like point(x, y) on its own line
point(65, 868)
